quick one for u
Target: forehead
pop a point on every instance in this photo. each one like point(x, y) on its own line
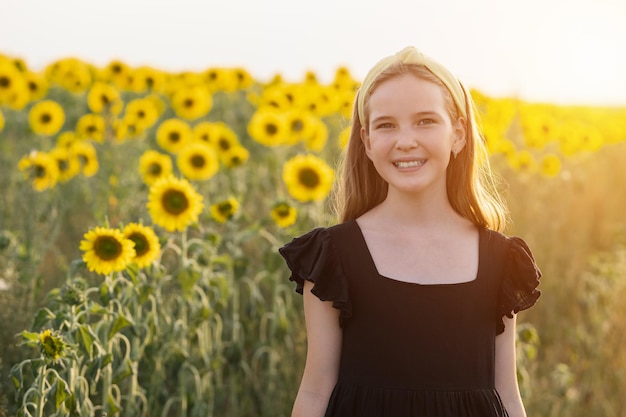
point(409, 92)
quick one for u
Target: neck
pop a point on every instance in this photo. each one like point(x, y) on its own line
point(419, 210)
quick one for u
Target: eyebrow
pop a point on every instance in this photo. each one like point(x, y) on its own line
point(419, 113)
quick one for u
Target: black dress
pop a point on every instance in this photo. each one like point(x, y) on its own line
point(408, 349)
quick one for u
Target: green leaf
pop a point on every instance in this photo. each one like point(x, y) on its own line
point(122, 372)
point(71, 404)
point(113, 406)
point(43, 317)
point(85, 338)
point(30, 336)
point(59, 393)
point(119, 323)
point(188, 278)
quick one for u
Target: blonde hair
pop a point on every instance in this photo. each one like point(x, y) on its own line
point(471, 185)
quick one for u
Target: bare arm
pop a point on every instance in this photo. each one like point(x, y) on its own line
point(506, 370)
point(323, 352)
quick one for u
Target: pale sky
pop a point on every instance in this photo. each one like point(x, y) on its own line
point(561, 51)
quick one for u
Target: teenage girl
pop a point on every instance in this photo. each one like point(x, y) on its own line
point(410, 300)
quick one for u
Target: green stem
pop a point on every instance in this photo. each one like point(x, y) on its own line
point(185, 331)
point(42, 396)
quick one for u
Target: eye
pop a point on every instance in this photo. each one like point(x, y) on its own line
point(426, 122)
point(385, 125)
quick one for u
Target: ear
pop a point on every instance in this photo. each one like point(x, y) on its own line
point(365, 138)
point(460, 135)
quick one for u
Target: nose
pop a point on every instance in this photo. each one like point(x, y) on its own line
point(406, 140)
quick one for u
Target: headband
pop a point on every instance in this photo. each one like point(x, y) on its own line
point(411, 55)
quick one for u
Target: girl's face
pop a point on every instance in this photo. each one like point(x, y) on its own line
point(410, 135)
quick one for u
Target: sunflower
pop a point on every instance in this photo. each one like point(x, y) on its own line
point(52, 346)
point(206, 132)
point(147, 246)
point(107, 250)
point(91, 126)
point(220, 79)
point(103, 97)
point(67, 162)
point(198, 161)
point(11, 82)
point(154, 165)
point(316, 141)
point(243, 77)
point(235, 156)
point(226, 138)
point(269, 127)
point(118, 73)
point(345, 103)
point(41, 168)
point(192, 102)
point(147, 78)
point(284, 214)
point(550, 165)
point(87, 157)
point(46, 117)
point(37, 85)
point(277, 97)
point(173, 135)
point(224, 210)
point(522, 161)
point(301, 125)
point(142, 112)
point(174, 203)
point(308, 178)
point(70, 73)
point(66, 139)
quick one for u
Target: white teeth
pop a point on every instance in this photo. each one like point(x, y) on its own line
point(409, 164)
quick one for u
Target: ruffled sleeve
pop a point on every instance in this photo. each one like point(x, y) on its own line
point(312, 257)
point(518, 290)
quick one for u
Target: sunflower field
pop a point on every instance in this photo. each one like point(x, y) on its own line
point(142, 211)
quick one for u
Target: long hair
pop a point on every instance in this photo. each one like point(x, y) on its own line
point(471, 186)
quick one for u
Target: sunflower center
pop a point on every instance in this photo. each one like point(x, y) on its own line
point(271, 129)
point(48, 345)
point(62, 164)
point(188, 103)
point(104, 99)
point(282, 210)
point(155, 169)
point(297, 125)
point(235, 160)
point(224, 144)
point(175, 202)
point(142, 246)
point(5, 82)
point(174, 137)
point(107, 248)
point(116, 68)
point(40, 171)
point(32, 86)
point(198, 161)
point(309, 178)
point(225, 208)
point(149, 82)
point(91, 129)
point(45, 118)
point(141, 114)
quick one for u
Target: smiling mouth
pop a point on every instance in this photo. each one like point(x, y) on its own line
point(409, 164)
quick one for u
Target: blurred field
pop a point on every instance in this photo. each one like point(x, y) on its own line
point(212, 327)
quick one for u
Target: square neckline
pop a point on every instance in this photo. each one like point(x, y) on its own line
point(373, 267)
